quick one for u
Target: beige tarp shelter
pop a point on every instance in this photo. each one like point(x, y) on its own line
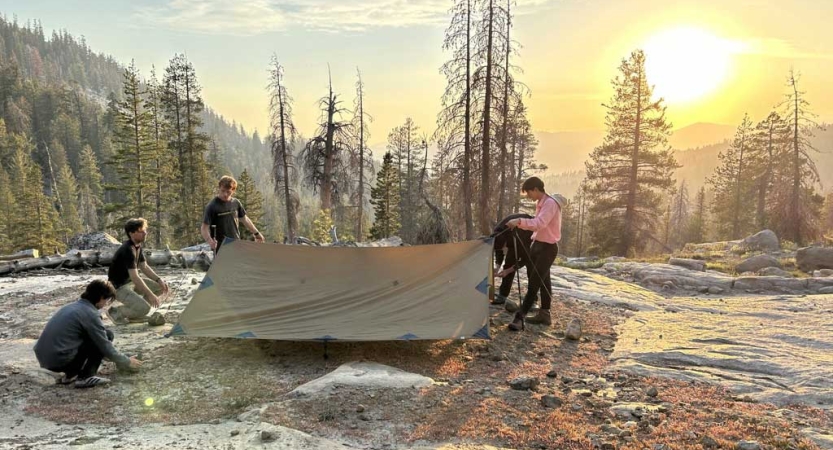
point(288, 292)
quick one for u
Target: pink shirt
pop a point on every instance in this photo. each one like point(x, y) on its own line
point(547, 221)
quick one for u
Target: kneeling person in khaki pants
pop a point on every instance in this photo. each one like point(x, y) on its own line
point(136, 293)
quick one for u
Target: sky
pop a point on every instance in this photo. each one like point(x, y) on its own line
point(712, 60)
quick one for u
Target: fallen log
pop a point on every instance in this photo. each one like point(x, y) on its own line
point(31, 253)
point(86, 258)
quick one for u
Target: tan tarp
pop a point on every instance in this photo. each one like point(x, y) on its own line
point(285, 292)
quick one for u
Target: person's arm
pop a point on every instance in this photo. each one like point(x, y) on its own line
point(252, 229)
point(94, 328)
point(542, 219)
point(145, 268)
point(206, 234)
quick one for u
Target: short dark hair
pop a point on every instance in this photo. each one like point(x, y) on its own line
point(134, 225)
point(531, 184)
point(97, 290)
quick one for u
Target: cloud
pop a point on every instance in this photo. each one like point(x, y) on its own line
point(253, 17)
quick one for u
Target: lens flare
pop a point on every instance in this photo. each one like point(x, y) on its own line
point(149, 401)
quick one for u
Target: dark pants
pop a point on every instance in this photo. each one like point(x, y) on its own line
point(538, 272)
point(86, 362)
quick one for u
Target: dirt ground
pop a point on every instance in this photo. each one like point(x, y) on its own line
point(224, 384)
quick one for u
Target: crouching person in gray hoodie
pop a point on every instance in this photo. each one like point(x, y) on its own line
point(75, 341)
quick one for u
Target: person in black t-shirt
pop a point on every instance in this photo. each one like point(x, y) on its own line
point(223, 215)
point(136, 293)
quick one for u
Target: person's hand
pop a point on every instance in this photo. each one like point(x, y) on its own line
point(259, 237)
point(135, 363)
point(505, 272)
point(153, 300)
point(164, 286)
point(513, 223)
point(212, 243)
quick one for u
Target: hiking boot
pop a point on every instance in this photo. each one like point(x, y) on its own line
point(517, 323)
point(66, 380)
point(511, 306)
point(115, 315)
point(91, 382)
point(542, 317)
point(499, 299)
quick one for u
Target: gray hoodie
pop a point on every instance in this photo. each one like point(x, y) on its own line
point(70, 327)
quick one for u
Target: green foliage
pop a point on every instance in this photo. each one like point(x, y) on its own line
point(252, 201)
point(385, 199)
point(321, 227)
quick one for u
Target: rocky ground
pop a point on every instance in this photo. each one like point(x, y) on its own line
point(655, 368)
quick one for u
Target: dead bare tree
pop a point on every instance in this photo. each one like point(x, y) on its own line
point(282, 136)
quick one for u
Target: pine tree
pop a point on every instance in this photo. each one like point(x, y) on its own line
point(37, 224)
point(797, 206)
point(407, 148)
point(771, 138)
point(135, 151)
point(164, 163)
point(89, 190)
point(629, 171)
point(734, 185)
point(827, 217)
point(283, 135)
point(69, 215)
point(679, 216)
point(326, 155)
point(385, 199)
point(696, 229)
point(8, 212)
point(252, 200)
point(321, 227)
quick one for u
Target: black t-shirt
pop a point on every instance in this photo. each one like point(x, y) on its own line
point(126, 257)
point(226, 216)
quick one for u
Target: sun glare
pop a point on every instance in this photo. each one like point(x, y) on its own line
point(686, 64)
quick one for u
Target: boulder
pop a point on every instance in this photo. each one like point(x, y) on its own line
point(691, 264)
point(774, 272)
point(93, 241)
point(823, 273)
point(757, 263)
point(771, 284)
point(764, 241)
point(809, 259)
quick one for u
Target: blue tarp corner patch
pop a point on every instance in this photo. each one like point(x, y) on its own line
point(246, 335)
point(325, 338)
point(177, 330)
point(483, 333)
point(408, 337)
point(483, 287)
point(207, 282)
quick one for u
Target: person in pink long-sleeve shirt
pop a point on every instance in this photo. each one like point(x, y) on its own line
point(546, 226)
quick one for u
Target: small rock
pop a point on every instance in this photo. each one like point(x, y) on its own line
point(625, 433)
point(573, 331)
point(364, 417)
point(714, 290)
point(826, 290)
point(608, 446)
point(630, 424)
point(360, 408)
point(552, 374)
point(156, 319)
point(652, 392)
point(523, 383)
point(551, 401)
point(823, 273)
point(194, 281)
point(708, 442)
point(267, 436)
point(660, 447)
point(748, 445)
point(610, 429)
point(215, 422)
point(668, 286)
point(235, 432)
point(577, 407)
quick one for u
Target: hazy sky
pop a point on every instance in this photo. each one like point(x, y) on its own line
point(713, 60)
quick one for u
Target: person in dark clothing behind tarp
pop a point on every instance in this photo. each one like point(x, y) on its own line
point(75, 341)
point(223, 215)
point(505, 248)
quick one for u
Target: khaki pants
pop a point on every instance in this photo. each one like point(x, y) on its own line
point(135, 306)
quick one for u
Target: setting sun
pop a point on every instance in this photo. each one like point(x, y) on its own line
point(687, 63)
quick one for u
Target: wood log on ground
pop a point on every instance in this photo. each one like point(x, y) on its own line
point(86, 258)
point(31, 253)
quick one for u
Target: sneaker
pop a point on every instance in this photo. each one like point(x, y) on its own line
point(115, 315)
point(511, 306)
point(66, 380)
point(91, 382)
point(499, 300)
